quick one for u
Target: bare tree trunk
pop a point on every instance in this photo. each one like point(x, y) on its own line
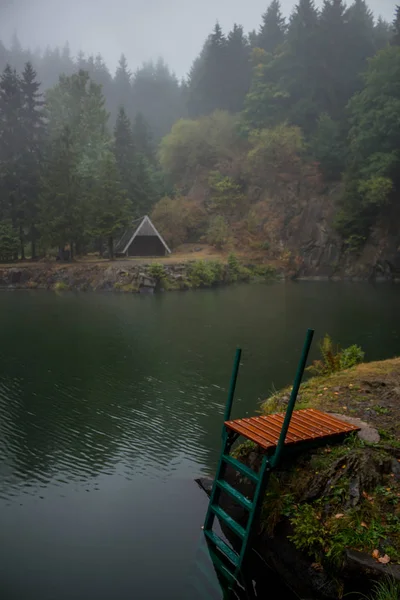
point(111, 247)
point(21, 241)
point(33, 243)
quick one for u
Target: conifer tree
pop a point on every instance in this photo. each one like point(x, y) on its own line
point(11, 149)
point(124, 150)
point(34, 137)
point(396, 28)
point(273, 28)
point(238, 69)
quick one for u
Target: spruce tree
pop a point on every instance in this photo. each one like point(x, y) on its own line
point(207, 78)
point(110, 211)
point(11, 149)
point(382, 34)
point(142, 138)
point(61, 207)
point(124, 150)
point(360, 44)
point(332, 94)
point(238, 69)
point(122, 86)
point(301, 65)
point(396, 28)
point(272, 31)
point(33, 132)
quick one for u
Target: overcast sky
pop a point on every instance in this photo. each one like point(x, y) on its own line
point(142, 29)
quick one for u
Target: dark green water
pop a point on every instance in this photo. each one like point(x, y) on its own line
point(111, 405)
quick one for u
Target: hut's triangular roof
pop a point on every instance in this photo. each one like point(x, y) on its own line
point(142, 226)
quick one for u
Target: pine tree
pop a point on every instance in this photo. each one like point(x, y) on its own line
point(125, 155)
point(273, 28)
point(110, 211)
point(33, 132)
point(207, 78)
point(396, 28)
point(360, 44)
point(142, 138)
point(238, 69)
point(11, 149)
point(301, 65)
point(122, 86)
point(332, 96)
point(61, 197)
point(382, 34)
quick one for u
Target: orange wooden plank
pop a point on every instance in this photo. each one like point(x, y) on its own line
point(306, 425)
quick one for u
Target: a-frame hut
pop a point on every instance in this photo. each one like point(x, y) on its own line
point(142, 239)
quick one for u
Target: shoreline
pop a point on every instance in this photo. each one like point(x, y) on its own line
point(135, 276)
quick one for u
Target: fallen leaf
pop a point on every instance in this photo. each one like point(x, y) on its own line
point(375, 554)
point(365, 495)
point(344, 466)
point(339, 516)
point(363, 524)
point(336, 393)
point(350, 385)
point(391, 474)
point(388, 489)
point(317, 566)
point(344, 407)
point(325, 388)
point(328, 451)
point(384, 559)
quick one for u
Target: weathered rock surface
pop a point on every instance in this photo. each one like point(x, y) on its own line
point(367, 432)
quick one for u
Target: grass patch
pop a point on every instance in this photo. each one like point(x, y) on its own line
point(61, 286)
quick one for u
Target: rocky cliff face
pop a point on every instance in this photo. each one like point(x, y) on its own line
point(320, 252)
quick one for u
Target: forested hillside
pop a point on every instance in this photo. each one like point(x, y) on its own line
point(276, 137)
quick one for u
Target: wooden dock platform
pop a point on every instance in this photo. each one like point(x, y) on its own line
point(308, 425)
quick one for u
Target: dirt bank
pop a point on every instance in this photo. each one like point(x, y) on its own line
point(331, 517)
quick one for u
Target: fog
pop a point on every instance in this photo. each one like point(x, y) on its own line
point(141, 29)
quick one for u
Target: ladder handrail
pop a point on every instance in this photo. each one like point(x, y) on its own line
point(232, 386)
point(293, 397)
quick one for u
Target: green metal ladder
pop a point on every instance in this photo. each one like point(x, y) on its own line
point(225, 559)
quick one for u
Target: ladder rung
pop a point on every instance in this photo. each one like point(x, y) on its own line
point(252, 475)
point(222, 568)
point(235, 494)
point(231, 523)
point(223, 547)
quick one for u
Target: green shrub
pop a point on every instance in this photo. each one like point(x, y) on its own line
point(61, 286)
point(157, 271)
point(218, 232)
point(334, 359)
point(9, 243)
point(233, 267)
point(201, 274)
point(218, 270)
point(266, 272)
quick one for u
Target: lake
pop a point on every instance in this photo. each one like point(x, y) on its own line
point(111, 405)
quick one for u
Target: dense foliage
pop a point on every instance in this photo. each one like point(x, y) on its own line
point(263, 122)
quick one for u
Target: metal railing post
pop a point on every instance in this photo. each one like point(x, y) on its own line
point(293, 397)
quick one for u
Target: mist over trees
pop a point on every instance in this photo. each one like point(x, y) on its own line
point(305, 101)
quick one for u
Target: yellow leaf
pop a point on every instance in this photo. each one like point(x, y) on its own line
point(344, 466)
point(384, 559)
